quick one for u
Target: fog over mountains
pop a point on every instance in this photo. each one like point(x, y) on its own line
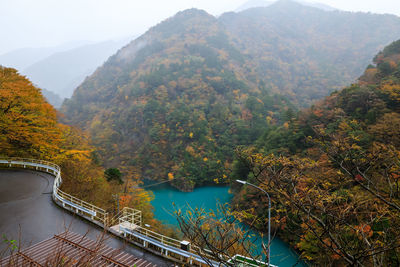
point(301, 99)
point(202, 84)
point(62, 72)
point(264, 3)
point(24, 57)
point(59, 70)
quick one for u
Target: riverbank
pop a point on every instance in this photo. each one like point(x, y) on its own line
point(207, 197)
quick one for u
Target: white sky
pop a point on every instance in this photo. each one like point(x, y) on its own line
point(38, 23)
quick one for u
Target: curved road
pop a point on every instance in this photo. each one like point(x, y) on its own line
point(28, 214)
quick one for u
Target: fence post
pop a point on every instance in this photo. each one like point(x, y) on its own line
point(131, 216)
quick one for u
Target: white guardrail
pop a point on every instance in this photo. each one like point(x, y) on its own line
point(128, 222)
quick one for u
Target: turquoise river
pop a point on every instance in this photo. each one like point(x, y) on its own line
point(207, 197)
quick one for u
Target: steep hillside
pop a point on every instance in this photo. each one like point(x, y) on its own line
point(174, 103)
point(307, 52)
point(334, 175)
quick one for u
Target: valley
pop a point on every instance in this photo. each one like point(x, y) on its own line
point(298, 100)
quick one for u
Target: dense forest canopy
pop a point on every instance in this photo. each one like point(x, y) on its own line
point(177, 107)
point(29, 128)
point(334, 172)
point(306, 53)
point(199, 99)
point(174, 103)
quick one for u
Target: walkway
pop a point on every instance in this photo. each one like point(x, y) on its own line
point(27, 210)
point(177, 250)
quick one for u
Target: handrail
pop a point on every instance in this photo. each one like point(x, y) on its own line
point(99, 215)
point(96, 213)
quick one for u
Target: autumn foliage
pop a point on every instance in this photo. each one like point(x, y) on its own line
point(334, 173)
point(176, 109)
point(29, 128)
point(27, 121)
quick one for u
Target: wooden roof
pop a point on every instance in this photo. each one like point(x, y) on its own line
point(71, 249)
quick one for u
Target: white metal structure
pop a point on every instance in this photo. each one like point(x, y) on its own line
point(129, 221)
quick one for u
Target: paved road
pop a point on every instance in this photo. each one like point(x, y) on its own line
point(27, 213)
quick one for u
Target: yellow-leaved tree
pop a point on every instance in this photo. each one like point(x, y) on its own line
point(29, 128)
point(28, 124)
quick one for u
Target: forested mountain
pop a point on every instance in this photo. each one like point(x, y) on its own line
point(29, 128)
point(334, 173)
point(305, 52)
point(175, 102)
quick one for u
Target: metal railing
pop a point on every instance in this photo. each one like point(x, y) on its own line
point(131, 216)
point(159, 237)
point(95, 212)
point(129, 220)
point(67, 201)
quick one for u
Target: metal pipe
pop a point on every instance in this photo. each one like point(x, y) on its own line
point(269, 216)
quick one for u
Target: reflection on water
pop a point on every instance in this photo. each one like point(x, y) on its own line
point(207, 197)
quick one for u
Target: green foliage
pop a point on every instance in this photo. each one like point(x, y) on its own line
point(336, 169)
point(392, 49)
point(113, 174)
point(194, 87)
point(385, 68)
point(11, 244)
point(306, 53)
point(181, 105)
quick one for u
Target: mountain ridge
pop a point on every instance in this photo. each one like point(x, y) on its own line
point(61, 72)
point(263, 3)
point(311, 38)
point(176, 101)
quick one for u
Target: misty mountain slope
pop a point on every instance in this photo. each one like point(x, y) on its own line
point(24, 57)
point(174, 102)
point(307, 52)
point(62, 72)
point(54, 99)
point(252, 4)
point(264, 3)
